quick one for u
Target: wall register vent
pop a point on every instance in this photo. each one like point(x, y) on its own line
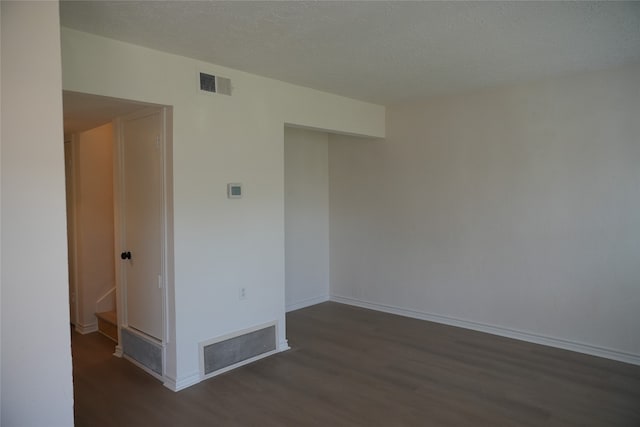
point(227, 353)
point(215, 84)
point(143, 350)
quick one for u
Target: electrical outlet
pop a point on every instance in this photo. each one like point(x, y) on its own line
point(242, 294)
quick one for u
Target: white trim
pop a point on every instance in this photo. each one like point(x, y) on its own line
point(592, 350)
point(73, 240)
point(86, 329)
point(306, 303)
point(118, 351)
point(167, 229)
point(283, 345)
point(177, 385)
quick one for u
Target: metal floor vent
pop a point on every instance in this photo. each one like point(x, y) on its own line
point(221, 354)
point(215, 84)
point(145, 352)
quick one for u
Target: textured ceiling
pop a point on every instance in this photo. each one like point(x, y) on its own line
point(385, 52)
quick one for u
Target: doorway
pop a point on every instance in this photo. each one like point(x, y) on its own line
point(90, 218)
point(114, 196)
point(306, 217)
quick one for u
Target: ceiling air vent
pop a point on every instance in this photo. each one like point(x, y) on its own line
point(215, 84)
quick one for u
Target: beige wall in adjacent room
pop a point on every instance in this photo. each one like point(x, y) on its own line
point(306, 217)
point(516, 207)
point(94, 215)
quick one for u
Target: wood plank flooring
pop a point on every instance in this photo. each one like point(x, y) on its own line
point(354, 367)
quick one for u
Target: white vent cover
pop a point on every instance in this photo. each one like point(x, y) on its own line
point(215, 84)
point(224, 85)
point(224, 353)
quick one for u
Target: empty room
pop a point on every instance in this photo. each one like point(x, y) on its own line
point(320, 213)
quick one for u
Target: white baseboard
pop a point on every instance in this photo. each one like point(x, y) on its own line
point(118, 351)
point(306, 303)
point(283, 345)
point(86, 329)
point(182, 383)
point(496, 330)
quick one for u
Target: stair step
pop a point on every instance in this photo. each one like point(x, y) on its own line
point(108, 316)
point(108, 324)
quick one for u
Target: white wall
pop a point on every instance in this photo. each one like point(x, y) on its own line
point(306, 217)
point(36, 353)
point(1, 137)
point(221, 245)
point(515, 207)
point(93, 180)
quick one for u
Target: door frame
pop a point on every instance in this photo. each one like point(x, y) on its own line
point(71, 144)
point(166, 221)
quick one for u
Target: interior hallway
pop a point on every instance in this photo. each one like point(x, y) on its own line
point(354, 367)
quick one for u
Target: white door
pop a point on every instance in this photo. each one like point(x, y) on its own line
point(142, 222)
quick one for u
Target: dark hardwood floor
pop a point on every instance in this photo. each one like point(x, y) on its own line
point(355, 367)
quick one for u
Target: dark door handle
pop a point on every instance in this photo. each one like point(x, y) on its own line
point(125, 255)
